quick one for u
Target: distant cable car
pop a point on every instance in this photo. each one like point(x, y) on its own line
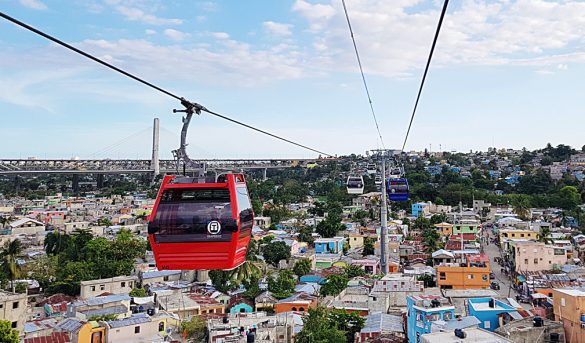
point(197, 224)
point(378, 180)
point(355, 185)
point(397, 189)
point(371, 168)
point(395, 172)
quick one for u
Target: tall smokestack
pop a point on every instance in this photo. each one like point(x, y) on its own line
point(154, 165)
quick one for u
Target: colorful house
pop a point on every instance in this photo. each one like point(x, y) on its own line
point(487, 311)
point(329, 245)
point(419, 208)
point(470, 274)
point(444, 229)
point(466, 227)
point(300, 302)
point(422, 311)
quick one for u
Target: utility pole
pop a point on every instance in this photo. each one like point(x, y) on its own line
point(383, 214)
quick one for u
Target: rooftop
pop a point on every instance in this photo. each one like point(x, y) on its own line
point(473, 335)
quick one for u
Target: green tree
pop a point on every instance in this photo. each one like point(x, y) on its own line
point(276, 251)
point(521, 206)
point(196, 329)
point(7, 333)
point(318, 328)
point(351, 323)
point(252, 288)
point(427, 279)
point(570, 198)
point(430, 240)
point(335, 284)
point(302, 267)
point(352, 270)
point(438, 218)
point(368, 247)
point(306, 235)
point(43, 269)
point(9, 254)
point(104, 221)
point(330, 226)
point(544, 235)
point(220, 279)
point(246, 271)
point(283, 285)
point(138, 293)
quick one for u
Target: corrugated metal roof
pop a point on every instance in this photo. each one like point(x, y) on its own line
point(106, 311)
point(383, 323)
point(103, 300)
point(134, 320)
point(70, 324)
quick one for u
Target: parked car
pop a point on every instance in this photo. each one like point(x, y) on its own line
point(495, 285)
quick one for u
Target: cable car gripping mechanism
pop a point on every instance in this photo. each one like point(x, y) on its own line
point(181, 153)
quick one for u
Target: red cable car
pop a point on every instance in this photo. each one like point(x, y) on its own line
point(201, 225)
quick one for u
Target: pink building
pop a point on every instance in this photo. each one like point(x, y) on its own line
point(370, 265)
point(531, 256)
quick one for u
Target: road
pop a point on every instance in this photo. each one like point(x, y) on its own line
point(492, 251)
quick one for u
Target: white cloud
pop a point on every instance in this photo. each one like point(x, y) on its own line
point(394, 37)
point(150, 32)
point(142, 12)
point(277, 29)
point(220, 35)
point(33, 4)
point(176, 35)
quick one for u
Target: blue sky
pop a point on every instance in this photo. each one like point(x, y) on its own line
point(507, 73)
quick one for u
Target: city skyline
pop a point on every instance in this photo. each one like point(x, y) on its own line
point(505, 74)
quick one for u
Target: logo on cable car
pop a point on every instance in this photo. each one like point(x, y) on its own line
point(214, 227)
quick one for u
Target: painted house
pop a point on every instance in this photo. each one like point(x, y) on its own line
point(518, 234)
point(370, 265)
point(487, 311)
point(422, 311)
point(444, 229)
point(299, 302)
point(115, 285)
point(26, 226)
point(329, 245)
point(529, 256)
point(118, 305)
point(466, 226)
point(469, 274)
point(569, 308)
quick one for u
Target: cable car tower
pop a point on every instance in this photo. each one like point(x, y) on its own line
point(183, 162)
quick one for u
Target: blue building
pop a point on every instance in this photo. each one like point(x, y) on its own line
point(329, 245)
point(487, 310)
point(418, 208)
point(422, 311)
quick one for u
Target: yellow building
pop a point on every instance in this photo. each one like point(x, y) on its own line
point(91, 332)
point(569, 308)
point(444, 229)
point(518, 234)
point(453, 276)
point(356, 240)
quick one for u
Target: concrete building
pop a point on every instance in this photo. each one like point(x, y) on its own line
point(422, 311)
point(13, 309)
point(70, 227)
point(518, 234)
point(115, 285)
point(329, 245)
point(469, 274)
point(474, 335)
point(118, 305)
point(26, 226)
point(525, 330)
point(536, 256)
point(139, 328)
point(568, 307)
point(487, 311)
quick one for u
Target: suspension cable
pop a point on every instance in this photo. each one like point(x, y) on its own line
point(446, 3)
point(164, 91)
point(357, 54)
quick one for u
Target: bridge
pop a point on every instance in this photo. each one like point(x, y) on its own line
point(137, 166)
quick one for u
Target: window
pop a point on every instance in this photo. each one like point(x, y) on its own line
point(15, 304)
point(161, 326)
point(525, 261)
point(294, 308)
point(1, 305)
point(166, 278)
point(123, 284)
point(549, 262)
point(562, 301)
point(14, 325)
point(102, 287)
point(442, 276)
point(535, 261)
point(374, 298)
point(486, 324)
point(130, 284)
point(470, 276)
point(521, 235)
point(92, 288)
point(137, 329)
point(302, 309)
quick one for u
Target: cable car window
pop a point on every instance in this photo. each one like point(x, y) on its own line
point(183, 215)
point(246, 213)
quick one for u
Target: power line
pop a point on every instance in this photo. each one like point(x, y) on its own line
point(164, 91)
point(357, 54)
point(426, 70)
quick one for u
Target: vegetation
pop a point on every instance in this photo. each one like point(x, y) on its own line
point(195, 329)
point(283, 285)
point(80, 257)
point(302, 267)
point(7, 333)
point(104, 317)
point(274, 252)
point(138, 293)
point(352, 271)
point(323, 326)
point(334, 285)
point(368, 246)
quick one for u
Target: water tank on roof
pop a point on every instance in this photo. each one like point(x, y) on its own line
point(583, 317)
point(538, 322)
point(554, 337)
point(459, 333)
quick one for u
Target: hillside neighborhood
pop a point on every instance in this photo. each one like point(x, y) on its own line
point(490, 248)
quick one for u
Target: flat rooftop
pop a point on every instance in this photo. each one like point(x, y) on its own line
point(473, 335)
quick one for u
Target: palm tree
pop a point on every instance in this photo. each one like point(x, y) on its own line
point(248, 270)
point(6, 220)
point(9, 255)
point(544, 235)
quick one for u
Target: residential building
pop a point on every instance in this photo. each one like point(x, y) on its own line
point(536, 256)
point(370, 264)
point(524, 330)
point(444, 229)
point(569, 308)
point(470, 274)
point(70, 227)
point(487, 311)
point(13, 309)
point(329, 245)
point(299, 302)
point(420, 208)
point(118, 305)
point(26, 226)
point(138, 328)
point(466, 226)
point(262, 222)
point(356, 240)
point(115, 285)
point(157, 276)
point(518, 234)
point(378, 324)
point(422, 311)
point(475, 335)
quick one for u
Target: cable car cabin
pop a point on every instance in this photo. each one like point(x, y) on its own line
point(371, 168)
point(397, 189)
point(378, 180)
point(355, 185)
point(395, 172)
point(201, 225)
